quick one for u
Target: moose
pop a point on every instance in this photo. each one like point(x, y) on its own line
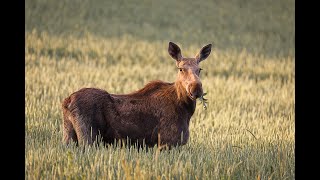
point(159, 112)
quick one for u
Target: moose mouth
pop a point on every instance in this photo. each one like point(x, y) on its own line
point(194, 93)
point(190, 96)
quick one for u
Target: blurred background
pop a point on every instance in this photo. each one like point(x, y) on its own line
point(259, 26)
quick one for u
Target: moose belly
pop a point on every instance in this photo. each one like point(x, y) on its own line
point(135, 125)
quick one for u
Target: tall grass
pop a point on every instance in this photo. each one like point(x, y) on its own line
point(247, 131)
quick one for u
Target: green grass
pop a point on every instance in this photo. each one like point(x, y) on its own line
point(248, 130)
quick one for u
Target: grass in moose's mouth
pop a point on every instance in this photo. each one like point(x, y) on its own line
point(203, 101)
point(248, 128)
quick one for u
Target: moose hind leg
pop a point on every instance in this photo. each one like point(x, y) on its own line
point(69, 134)
point(86, 131)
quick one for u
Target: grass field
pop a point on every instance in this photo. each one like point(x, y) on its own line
point(248, 130)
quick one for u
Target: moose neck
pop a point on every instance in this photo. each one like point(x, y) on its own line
point(175, 93)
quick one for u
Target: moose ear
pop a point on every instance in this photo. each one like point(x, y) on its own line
point(174, 51)
point(204, 53)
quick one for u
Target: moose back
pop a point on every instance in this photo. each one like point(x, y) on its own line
point(160, 109)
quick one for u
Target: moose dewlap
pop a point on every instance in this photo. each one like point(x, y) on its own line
point(160, 109)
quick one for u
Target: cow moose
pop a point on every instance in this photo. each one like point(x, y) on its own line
point(158, 110)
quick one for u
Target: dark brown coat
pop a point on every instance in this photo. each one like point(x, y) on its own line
point(160, 108)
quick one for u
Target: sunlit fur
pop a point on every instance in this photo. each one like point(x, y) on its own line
point(159, 109)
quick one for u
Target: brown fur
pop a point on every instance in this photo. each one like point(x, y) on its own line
point(159, 108)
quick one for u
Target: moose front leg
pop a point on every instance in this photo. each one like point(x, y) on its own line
point(173, 136)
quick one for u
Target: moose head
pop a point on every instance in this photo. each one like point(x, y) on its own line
point(189, 70)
